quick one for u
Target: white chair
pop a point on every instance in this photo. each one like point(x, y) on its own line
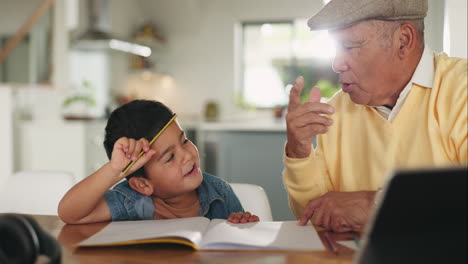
point(37, 192)
point(254, 199)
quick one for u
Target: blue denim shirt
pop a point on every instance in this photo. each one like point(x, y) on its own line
point(217, 200)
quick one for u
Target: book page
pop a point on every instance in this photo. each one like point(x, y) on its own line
point(286, 235)
point(350, 244)
point(134, 232)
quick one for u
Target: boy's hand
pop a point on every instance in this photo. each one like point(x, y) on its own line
point(127, 150)
point(240, 217)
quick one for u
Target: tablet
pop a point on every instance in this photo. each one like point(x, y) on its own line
point(420, 219)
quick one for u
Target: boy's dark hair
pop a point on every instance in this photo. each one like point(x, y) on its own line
point(137, 119)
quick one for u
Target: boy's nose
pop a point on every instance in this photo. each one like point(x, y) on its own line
point(187, 156)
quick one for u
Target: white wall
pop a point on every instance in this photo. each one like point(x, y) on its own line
point(434, 24)
point(455, 31)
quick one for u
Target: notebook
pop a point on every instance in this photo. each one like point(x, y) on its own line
point(201, 233)
point(421, 219)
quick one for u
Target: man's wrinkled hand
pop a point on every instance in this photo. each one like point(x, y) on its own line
point(340, 211)
point(305, 121)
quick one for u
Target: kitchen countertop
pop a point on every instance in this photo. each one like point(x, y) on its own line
point(258, 125)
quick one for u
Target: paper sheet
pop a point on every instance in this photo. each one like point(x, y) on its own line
point(262, 235)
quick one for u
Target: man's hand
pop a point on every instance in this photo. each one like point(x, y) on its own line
point(340, 211)
point(304, 121)
point(240, 217)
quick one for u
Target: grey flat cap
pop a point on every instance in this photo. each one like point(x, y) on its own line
point(343, 13)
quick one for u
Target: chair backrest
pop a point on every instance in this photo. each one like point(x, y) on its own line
point(254, 199)
point(37, 192)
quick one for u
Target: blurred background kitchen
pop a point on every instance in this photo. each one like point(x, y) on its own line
point(223, 65)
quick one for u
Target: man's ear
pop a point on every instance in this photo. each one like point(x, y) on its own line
point(141, 185)
point(407, 40)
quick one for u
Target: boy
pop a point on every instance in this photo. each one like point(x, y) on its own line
point(164, 183)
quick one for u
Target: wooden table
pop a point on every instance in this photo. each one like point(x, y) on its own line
point(68, 235)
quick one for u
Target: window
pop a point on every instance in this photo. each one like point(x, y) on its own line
point(275, 53)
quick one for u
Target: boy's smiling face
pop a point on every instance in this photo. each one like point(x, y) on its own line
point(175, 168)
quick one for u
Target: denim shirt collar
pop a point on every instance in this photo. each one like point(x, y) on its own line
point(135, 205)
point(207, 194)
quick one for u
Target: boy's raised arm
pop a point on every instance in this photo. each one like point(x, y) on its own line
point(85, 203)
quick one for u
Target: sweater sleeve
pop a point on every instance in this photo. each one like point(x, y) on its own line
point(304, 179)
point(452, 111)
point(459, 131)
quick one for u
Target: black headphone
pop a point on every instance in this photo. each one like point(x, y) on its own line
point(22, 240)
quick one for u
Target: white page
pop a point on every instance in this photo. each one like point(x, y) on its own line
point(119, 231)
point(350, 244)
point(261, 235)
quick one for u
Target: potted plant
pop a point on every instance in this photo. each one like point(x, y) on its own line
point(77, 106)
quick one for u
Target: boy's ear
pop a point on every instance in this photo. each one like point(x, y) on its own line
point(141, 185)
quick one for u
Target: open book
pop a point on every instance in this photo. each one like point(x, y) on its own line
point(202, 234)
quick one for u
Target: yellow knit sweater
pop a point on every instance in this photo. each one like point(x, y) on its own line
point(362, 147)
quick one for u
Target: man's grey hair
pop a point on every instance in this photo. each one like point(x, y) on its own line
point(387, 28)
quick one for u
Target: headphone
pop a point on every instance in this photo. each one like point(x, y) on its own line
point(22, 240)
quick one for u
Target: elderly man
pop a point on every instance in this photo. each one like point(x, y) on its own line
point(401, 106)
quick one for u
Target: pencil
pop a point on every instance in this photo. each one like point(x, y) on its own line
point(330, 243)
point(356, 240)
point(130, 164)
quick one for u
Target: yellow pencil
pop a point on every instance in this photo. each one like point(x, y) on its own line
point(330, 243)
point(129, 165)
